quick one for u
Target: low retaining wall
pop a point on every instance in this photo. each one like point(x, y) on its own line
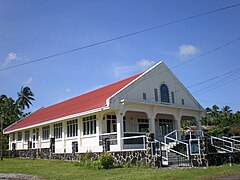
point(31, 153)
point(132, 157)
point(215, 159)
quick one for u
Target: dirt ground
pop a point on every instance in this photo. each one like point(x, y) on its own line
point(230, 177)
point(11, 176)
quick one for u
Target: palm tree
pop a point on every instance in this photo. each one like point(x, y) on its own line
point(226, 111)
point(25, 96)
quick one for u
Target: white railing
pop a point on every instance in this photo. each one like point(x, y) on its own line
point(167, 147)
point(178, 135)
point(175, 134)
point(231, 139)
point(223, 142)
point(111, 137)
point(155, 148)
point(194, 148)
point(236, 143)
point(140, 133)
point(107, 133)
point(143, 137)
point(166, 137)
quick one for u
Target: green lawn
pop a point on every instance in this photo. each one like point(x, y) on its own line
point(50, 169)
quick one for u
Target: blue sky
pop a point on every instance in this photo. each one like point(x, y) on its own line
point(34, 29)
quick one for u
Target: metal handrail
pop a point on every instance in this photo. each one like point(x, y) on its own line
point(135, 137)
point(231, 139)
point(223, 140)
point(177, 141)
point(134, 133)
point(190, 146)
point(177, 152)
point(107, 133)
point(166, 136)
point(166, 158)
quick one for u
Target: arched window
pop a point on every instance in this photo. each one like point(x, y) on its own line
point(164, 93)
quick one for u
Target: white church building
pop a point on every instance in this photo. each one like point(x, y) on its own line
point(154, 101)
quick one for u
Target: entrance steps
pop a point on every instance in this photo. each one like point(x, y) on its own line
point(182, 148)
point(172, 158)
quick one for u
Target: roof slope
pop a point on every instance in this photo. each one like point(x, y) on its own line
point(85, 102)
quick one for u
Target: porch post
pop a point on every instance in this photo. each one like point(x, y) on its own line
point(39, 138)
point(51, 133)
point(151, 116)
point(79, 134)
point(63, 136)
point(178, 125)
point(198, 122)
point(152, 124)
point(120, 115)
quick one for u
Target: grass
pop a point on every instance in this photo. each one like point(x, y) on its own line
point(53, 169)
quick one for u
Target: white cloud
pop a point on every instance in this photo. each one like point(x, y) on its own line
point(28, 81)
point(139, 66)
point(10, 57)
point(144, 64)
point(68, 90)
point(187, 50)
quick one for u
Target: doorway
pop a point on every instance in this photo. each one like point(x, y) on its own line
point(164, 124)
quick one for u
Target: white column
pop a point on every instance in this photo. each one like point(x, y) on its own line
point(151, 116)
point(9, 141)
point(64, 129)
point(30, 134)
point(177, 119)
point(152, 128)
point(22, 140)
point(120, 115)
point(198, 122)
point(51, 133)
point(98, 124)
point(79, 133)
point(39, 142)
point(98, 128)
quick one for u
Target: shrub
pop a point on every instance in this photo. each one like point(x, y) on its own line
point(106, 161)
point(87, 156)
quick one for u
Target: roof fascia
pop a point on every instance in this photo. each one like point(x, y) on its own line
point(59, 119)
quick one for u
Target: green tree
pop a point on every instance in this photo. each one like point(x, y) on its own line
point(226, 123)
point(25, 96)
point(9, 110)
point(12, 110)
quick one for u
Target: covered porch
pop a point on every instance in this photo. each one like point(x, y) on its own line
point(126, 130)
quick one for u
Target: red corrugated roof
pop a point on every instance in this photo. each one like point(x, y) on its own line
point(85, 102)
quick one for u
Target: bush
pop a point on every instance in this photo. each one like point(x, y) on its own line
point(106, 161)
point(87, 156)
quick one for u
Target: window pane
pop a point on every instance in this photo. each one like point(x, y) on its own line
point(89, 124)
point(164, 93)
point(156, 94)
point(173, 98)
point(72, 127)
point(144, 96)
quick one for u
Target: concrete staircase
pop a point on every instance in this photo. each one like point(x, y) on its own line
point(173, 158)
